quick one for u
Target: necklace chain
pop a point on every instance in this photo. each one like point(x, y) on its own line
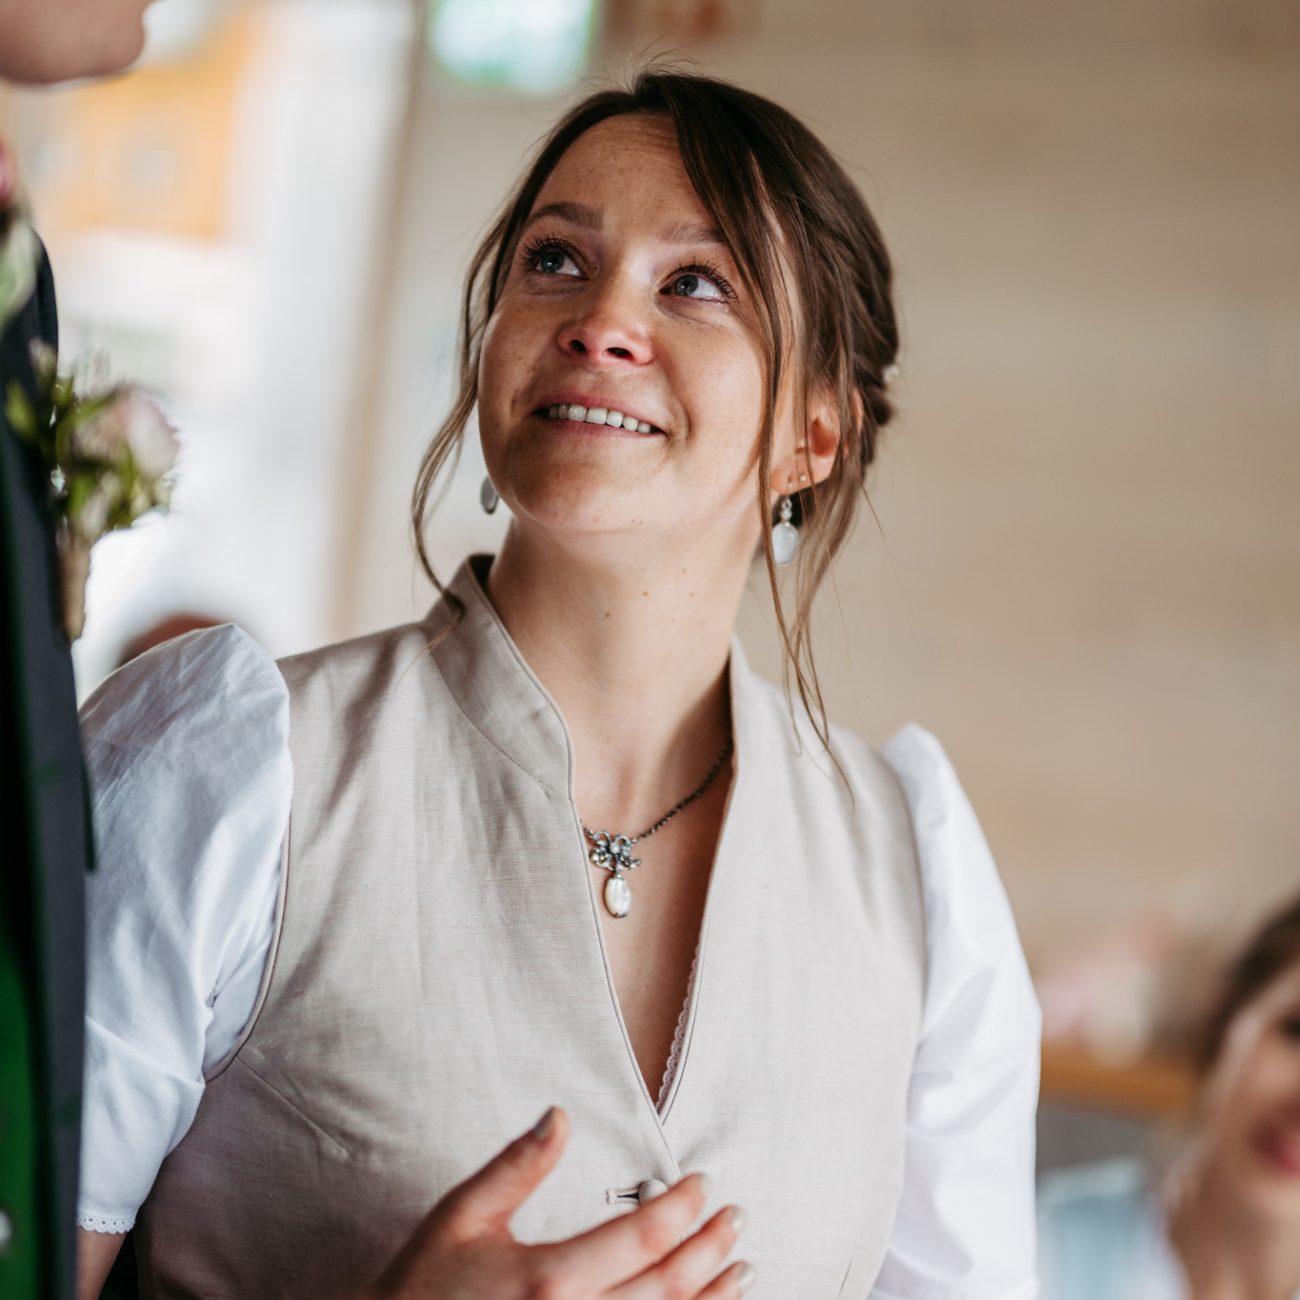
point(663, 821)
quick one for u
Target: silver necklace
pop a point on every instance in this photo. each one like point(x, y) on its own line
point(614, 852)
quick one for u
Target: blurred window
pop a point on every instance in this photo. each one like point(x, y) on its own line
point(534, 46)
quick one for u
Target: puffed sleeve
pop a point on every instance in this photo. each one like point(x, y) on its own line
point(187, 755)
point(965, 1223)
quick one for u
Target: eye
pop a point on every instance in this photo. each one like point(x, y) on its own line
point(550, 257)
point(1290, 1027)
point(703, 283)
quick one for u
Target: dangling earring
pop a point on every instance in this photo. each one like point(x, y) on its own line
point(785, 535)
point(487, 496)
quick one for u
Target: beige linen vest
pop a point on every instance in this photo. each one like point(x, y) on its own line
point(439, 978)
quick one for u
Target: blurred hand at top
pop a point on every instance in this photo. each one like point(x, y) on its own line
point(47, 41)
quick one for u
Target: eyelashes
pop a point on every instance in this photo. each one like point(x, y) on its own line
point(534, 249)
point(711, 272)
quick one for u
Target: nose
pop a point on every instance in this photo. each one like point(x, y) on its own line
point(607, 330)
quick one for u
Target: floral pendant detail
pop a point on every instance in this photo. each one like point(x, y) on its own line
point(613, 853)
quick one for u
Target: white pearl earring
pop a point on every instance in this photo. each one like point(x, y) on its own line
point(487, 496)
point(785, 535)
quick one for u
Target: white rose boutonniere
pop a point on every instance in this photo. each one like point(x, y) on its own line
point(107, 450)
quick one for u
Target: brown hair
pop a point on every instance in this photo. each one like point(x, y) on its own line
point(735, 145)
point(1274, 950)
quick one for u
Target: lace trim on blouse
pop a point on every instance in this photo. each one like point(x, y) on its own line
point(679, 1035)
point(93, 1223)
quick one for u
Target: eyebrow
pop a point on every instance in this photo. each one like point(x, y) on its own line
point(579, 214)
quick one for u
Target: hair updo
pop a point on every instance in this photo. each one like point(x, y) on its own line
point(800, 234)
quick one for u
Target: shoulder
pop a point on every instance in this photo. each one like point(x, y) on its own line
point(849, 770)
point(216, 681)
point(956, 864)
point(912, 762)
point(975, 956)
point(929, 780)
point(358, 662)
point(197, 723)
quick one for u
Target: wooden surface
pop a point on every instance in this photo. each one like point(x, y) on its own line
point(1153, 1087)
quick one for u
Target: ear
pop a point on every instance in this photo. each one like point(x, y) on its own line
point(814, 455)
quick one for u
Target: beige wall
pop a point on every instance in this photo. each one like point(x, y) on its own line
point(1088, 579)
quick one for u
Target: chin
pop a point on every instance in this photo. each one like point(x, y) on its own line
point(1270, 1192)
point(571, 513)
point(1274, 1204)
point(581, 493)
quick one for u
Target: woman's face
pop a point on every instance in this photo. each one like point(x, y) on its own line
point(1252, 1125)
point(623, 300)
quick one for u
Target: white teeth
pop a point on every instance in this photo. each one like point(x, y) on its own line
point(597, 415)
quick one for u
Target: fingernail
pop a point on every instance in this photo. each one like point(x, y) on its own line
point(542, 1129)
point(738, 1219)
point(745, 1276)
point(705, 1184)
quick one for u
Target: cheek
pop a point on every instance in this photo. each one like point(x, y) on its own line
point(1280, 1072)
point(1266, 1085)
point(502, 361)
point(721, 387)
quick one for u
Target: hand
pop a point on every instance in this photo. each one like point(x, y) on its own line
point(463, 1249)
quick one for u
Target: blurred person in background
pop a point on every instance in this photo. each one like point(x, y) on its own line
point(1221, 1221)
point(47, 850)
point(365, 912)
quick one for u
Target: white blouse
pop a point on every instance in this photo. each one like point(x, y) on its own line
point(187, 751)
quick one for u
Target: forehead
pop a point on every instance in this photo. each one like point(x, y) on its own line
point(633, 156)
point(628, 169)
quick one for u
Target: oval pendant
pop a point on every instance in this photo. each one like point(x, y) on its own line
point(785, 542)
point(618, 896)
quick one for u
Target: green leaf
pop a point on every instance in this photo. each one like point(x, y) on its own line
point(79, 488)
point(19, 413)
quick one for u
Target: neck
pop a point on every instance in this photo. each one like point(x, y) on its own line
point(1229, 1253)
point(635, 656)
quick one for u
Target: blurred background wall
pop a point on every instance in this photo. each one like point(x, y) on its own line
point(1085, 575)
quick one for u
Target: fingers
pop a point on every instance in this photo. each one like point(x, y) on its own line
point(623, 1248)
point(730, 1285)
point(692, 1269)
point(486, 1201)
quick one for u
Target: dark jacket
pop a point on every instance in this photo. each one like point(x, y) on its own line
point(45, 841)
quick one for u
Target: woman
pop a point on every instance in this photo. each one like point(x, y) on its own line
point(1223, 1221)
point(556, 843)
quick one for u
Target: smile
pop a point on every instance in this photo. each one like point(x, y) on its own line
point(597, 415)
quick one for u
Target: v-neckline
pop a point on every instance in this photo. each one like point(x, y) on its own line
point(670, 1087)
point(532, 737)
